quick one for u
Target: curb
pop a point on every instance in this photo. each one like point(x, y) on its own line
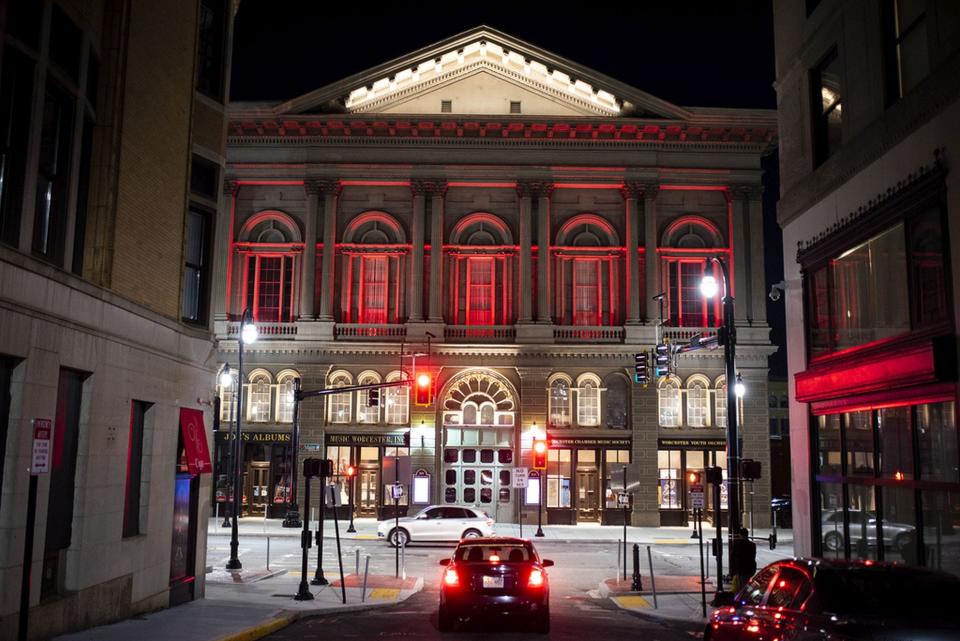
point(261, 629)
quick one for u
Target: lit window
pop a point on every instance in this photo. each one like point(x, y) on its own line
point(480, 291)
point(828, 108)
point(339, 406)
point(228, 400)
point(258, 398)
point(270, 288)
point(367, 413)
point(588, 402)
point(669, 401)
point(696, 404)
point(285, 398)
point(586, 291)
point(721, 404)
point(373, 283)
point(560, 402)
point(397, 401)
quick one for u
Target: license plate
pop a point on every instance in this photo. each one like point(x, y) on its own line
point(493, 582)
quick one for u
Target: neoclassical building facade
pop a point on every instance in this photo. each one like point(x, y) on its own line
point(501, 218)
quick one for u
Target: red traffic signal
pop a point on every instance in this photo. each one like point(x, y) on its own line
point(539, 454)
point(424, 392)
point(351, 471)
point(694, 478)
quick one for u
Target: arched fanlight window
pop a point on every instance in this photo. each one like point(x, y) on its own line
point(588, 400)
point(668, 396)
point(698, 406)
point(339, 404)
point(560, 401)
point(258, 397)
point(284, 402)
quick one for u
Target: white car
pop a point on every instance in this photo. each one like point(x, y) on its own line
point(437, 523)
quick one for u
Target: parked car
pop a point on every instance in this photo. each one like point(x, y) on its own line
point(437, 523)
point(812, 599)
point(896, 536)
point(495, 576)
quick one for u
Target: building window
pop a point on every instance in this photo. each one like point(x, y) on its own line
point(270, 288)
point(7, 366)
point(586, 291)
point(53, 176)
point(617, 405)
point(560, 402)
point(339, 404)
point(131, 505)
point(397, 401)
point(285, 398)
point(373, 289)
point(367, 413)
point(588, 400)
point(211, 46)
point(228, 400)
point(668, 396)
point(907, 54)
point(688, 307)
point(668, 484)
point(827, 108)
point(697, 407)
point(16, 103)
point(446, 106)
point(480, 298)
point(559, 465)
point(196, 267)
point(514, 106)
point(204, 177)
point(720, 403)
point(258, 398)
point(685, 246)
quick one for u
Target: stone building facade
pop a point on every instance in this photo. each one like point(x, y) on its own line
point(507, 216)
point(113, 150)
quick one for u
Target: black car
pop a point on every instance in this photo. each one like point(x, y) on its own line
point(812, 599)
point(495, 576)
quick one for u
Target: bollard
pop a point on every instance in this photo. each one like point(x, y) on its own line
point(366, 571)
point(653, 582)
point(618, 559)
point(403, 561)
point(358, 562)
point(637, 585)
point(268, 554)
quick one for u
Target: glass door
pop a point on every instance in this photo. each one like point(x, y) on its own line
point(588, 486)
point(367, 499)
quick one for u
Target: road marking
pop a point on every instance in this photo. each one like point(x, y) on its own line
point(384, 594)
point(672, 542)
point(630, 601)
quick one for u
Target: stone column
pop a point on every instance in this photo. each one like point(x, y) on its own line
point(223, 250)
point(754, 205)
point(415, 275)
point(544, 286)
point(741, 253)
point(331, 196)
point(308, 266)
point(630, 193)
point(438, 194)
point(526, 293)
point(651, 236)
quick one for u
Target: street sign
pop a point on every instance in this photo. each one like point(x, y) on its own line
point(311, 447)
point(696, 496)
point(623, 499)
point(520, 477)
point(42, 445)
point(396, 491)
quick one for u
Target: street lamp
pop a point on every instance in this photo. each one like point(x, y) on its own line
point(248, 334)
point(226, 382)
point(292, 518)
point(739, 388)
point(727, 336)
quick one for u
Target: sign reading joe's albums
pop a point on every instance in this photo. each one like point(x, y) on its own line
point(364, 439)
point(257, 437)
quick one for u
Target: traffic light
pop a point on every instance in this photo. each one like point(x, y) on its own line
point(641, 372)
point(373, 397)
point(714, 475)
point(424, 395)
point(661, 360)
point(539, 454)
point(351, 471)
point(693, 478)
point(317, 467)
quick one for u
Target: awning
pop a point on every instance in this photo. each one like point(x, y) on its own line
point(195, 441)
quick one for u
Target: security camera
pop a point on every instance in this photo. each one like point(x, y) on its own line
point(776, 290)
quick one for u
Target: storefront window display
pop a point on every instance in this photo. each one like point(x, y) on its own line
point(668, 486)
point(616, 460)
point(558, 477)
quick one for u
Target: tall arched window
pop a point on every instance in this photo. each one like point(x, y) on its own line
point(559, 401)
point(617, 404)
point(685, 246)
point(698, 406)
point(374, 253)
point(285, 396)
point(339, 404)
point(258, 397)
point(270, 247)
point(228, 399)
point(668, 395)
point(397, 401)
point(720, 402)
point(587, 263)
point(367, 413)
point(588, 400)
point(480, 270)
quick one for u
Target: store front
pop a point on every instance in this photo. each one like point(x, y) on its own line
point(583, 478)
point(676, 459)
point(368, 493)
point(264, 469)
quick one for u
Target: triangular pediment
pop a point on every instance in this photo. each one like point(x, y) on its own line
point(483, 71)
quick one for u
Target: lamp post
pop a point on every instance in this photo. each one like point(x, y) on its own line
point(248, 334)
point(292, 518)
point(351, 475)
point(226, 381)
point(728, 338)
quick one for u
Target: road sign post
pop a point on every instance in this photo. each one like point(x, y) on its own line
point(40, 464)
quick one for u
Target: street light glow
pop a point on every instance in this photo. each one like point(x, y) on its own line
point(248, 333)
point(708, 286)
point(739, 388)
point(226, 379)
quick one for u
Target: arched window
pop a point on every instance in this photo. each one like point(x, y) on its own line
point(698, 406)
point(668, 395)
point(397, 401)
point(480, 268)
point(258, 397)
point(469, 414)
point(617, 405)
point(588, 400)
point(285, 396)
point(695, 238)
point(586, 264)
point(339, 404)
point(720, 402)
point(367, 413)
point(559, 401)
point(228, 399)
point(270, 245)
point(374, 260)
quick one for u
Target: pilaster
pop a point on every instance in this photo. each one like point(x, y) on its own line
point(651, 242)
point(309, 263)
point(223, 250)
point(331, 197)
point(631, 192)
point(438, 193)
point(544, 286)
point(742, 285)
point(754, 205)
point(525, 293)
point(415, 275)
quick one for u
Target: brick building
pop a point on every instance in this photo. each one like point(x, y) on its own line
point(112, 153)
point(510, 214)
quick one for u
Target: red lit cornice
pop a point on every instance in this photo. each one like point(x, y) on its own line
point(375, 183)
point(693, 250)
point(269, 182)
point(588, 185)
point(936, 393)
point(267, 246)
point(499, 185)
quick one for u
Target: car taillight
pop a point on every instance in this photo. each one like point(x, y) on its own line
point(451, 578)
point(536, 578)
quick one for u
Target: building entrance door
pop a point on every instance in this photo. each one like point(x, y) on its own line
point(257, 492)
point(367, 499)
point(588, 495)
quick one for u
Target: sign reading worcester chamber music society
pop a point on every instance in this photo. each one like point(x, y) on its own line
point(692, 443)
point(587, 441)
point(364, 439)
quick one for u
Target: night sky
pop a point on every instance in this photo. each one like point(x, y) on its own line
point(717, 54)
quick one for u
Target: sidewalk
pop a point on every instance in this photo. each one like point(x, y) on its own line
point(237, 607)
point(367, 530)
point(678, 597)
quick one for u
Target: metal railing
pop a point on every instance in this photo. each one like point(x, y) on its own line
point(588, 333)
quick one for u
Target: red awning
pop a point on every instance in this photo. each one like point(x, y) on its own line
point(195, 441)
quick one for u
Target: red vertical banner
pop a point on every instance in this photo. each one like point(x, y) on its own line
point(195, 441)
